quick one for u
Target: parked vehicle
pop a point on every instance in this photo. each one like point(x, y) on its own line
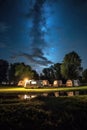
point(33, 84)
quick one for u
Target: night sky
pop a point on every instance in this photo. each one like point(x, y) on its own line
point(41, 32)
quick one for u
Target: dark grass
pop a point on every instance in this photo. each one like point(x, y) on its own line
point(41, 113)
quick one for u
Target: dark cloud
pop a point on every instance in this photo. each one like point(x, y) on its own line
point(36, 58)
point(37, 52)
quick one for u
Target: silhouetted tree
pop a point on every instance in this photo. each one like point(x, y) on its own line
point(56, 71)
point(35, 75)
point(23, 71)
point(71, 65)
point(12, 77)
point(46, 73)
point(53, 72)
point(3, 70)
point(84, 75)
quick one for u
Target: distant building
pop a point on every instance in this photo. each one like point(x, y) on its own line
point(69, 83)
point(57, 83)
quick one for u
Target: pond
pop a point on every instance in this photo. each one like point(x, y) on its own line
point(28, 96)
point(50, 94)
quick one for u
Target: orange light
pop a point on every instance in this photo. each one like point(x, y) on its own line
point(26, 79)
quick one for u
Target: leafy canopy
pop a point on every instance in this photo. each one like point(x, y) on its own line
point(71, 65)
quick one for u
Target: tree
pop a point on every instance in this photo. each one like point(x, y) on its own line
point(19, 71)
point(84, 75)
point(23, 71)
point(46, 73)
point(12, 77)
point(56, 69)
point(3, 70)
point(52, 73)
point(35, 75)
point(70, 68)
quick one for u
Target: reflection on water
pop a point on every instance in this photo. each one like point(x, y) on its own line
point(54, 94)
point(70, 93)
point(45, 94)
point(27, 96)
point(77, 93)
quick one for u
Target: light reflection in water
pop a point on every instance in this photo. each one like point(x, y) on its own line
point(55, 94)
point(27, 96)
point(70, 93)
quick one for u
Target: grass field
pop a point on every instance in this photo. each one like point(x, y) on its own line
point(44, 113)
point(51, 89)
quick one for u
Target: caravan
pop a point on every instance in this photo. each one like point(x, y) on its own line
point(33, 84)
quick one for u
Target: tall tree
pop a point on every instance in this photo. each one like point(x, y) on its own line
point(12, 77)
point(53, 72)
point(84, 75)
point(22, 71)
point(3, 70)
point(56, 69)
point(46, 73)
point(35, 75)
point(71, 65)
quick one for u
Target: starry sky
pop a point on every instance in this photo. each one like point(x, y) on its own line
point(41, 32)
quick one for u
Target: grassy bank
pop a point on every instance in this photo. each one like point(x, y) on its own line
point(44, 113)
point(51, 89)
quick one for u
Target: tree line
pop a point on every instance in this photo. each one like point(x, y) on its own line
point(70, 68)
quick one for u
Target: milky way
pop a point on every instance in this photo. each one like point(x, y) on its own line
point(38, 43)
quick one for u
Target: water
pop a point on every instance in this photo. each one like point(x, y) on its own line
point(53, 94)
point(28, 96)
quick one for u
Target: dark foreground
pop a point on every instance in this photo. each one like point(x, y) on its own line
point(44, 113)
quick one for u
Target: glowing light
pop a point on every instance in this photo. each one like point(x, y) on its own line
point(55, 82)
point(34, 82)
point(25, 81)
point(26, 96)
